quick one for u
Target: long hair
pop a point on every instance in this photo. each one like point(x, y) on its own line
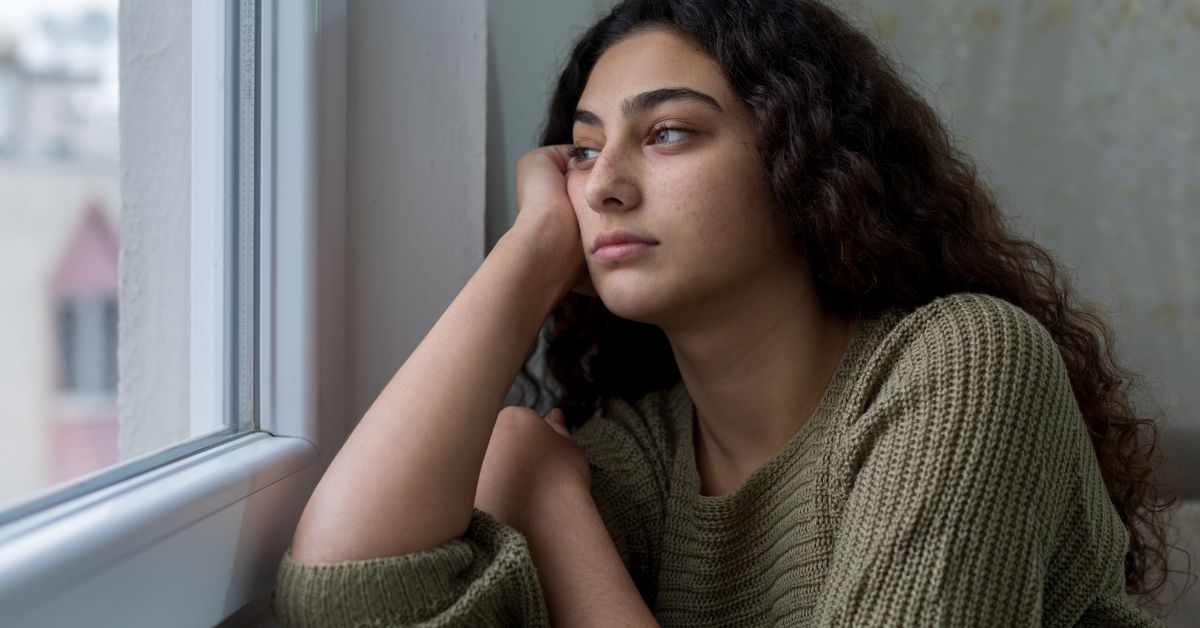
point(885, 209)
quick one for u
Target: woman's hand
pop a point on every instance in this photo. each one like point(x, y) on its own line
point(536, 479)
point(531, 464)
point(545, 217)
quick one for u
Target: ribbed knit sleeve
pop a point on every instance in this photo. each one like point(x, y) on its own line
point(484, 578)
point(487, 577)
point(974, 494)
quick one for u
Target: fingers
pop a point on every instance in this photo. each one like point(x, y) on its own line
point(557, 420)
point(560, 154)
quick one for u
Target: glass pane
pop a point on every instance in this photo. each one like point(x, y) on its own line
point(97, 227)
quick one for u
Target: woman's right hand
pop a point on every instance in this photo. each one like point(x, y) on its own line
point(545, 217)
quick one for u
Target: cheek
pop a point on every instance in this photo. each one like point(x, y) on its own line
point(704, 200)
point(717, 210)
point(575, 190)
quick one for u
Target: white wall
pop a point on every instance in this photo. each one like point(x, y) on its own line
point(416, 136)
point(155, 261)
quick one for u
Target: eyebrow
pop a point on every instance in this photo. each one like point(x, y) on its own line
point(649, 100)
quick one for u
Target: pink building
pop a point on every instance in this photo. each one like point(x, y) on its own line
point(82, 423)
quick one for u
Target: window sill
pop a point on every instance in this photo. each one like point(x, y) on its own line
point(208, 530)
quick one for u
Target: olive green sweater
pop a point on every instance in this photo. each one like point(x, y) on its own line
point(946, 478)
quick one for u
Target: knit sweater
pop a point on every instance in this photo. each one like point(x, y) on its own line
point(946, 478)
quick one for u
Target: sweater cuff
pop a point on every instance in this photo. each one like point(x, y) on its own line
point(411, 588)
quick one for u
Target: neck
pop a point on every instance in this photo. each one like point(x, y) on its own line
point(755, 366)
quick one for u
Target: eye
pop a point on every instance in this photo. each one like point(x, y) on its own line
point(582, 153)
point(670, 135)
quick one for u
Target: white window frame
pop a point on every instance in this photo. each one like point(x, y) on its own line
point(191, 542)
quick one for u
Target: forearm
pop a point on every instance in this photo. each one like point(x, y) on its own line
point(405, 479)
point(584, 581)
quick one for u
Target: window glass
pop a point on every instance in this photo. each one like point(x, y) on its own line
point(101, 241)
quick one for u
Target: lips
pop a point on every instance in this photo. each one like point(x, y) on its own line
point(619, 236)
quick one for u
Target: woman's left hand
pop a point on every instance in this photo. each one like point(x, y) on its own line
point(531, 463)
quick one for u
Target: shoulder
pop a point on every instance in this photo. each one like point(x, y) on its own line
point(969, 386)
point(638, 431)
point(970, 361)
point(972, 318)
point(972, 337)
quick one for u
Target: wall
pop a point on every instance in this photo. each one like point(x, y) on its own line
point(155, 262)
point(416, 141)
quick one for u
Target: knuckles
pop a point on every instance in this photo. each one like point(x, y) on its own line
point(516, 420)
point(525, 448)
point(516, 413)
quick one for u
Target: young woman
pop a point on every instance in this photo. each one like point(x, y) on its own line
point(805, 374)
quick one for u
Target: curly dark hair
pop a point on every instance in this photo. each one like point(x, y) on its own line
point(885, 209)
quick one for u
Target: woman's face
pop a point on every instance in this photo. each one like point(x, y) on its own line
point(667, 151)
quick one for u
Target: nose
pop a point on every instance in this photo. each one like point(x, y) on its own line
point(612, 184)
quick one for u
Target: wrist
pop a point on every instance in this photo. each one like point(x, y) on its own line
point(559, 522)
point(553, 256)
point(583, 576)
point(561, 502)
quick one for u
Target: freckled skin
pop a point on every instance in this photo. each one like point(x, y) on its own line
point(702, 194)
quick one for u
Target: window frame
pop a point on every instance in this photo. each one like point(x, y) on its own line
point(193, 540)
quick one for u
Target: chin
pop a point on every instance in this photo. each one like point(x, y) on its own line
point(639, 303)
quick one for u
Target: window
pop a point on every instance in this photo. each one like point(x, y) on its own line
point(84, 284)
point(165, 435)
point(59, 204)
point(98, 150)
point(87, 346)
